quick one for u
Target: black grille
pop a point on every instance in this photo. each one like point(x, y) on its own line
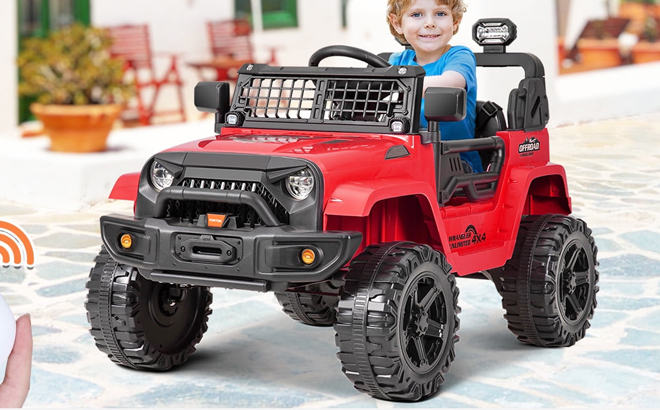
point(244, 214)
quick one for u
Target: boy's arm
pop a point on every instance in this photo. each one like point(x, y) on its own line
point(460, 71)
point(446, 79)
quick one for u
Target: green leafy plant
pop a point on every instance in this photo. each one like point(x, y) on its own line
point(651, 30)
point(72, 66)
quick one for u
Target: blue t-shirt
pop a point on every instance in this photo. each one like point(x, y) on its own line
point(460, 59)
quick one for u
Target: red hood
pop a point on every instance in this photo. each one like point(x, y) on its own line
point(342, 149)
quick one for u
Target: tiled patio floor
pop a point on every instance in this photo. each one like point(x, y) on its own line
point(255, 356)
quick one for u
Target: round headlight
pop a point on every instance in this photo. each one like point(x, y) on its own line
point(161, 178)
point(300, 184)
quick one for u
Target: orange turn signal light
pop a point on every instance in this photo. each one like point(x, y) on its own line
point(308, 256)
point(126, 241)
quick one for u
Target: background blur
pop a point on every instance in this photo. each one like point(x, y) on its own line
point(552, 29)
point(590, 48)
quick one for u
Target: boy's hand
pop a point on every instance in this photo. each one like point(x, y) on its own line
point(15, 387)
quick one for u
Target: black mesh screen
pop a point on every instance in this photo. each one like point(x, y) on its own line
point(328, 100)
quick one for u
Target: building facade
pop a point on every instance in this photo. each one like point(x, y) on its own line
point(179, 26)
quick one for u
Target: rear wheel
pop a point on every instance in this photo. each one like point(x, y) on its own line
point(397, 321)
point(143, 324)
point(549, 286)
point(314, 307)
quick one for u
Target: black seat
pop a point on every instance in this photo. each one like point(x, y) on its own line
point(490, 119)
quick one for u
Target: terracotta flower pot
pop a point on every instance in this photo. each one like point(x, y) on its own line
point(597, 54)
point(645, 52)
point(77, 128)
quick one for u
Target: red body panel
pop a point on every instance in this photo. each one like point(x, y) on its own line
point(395, 199)
point(126, 187)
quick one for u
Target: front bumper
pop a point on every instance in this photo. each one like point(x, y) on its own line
point(239, 258)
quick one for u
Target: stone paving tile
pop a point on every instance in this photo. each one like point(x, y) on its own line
point(84, 257)
point(630, 266)
point(49, 388)
point(223, 394)
point(644, 240)
point(60, 269)
point(66, 240)
point(12, 210)
point(55, 354)
point(65, 288)
point(641, 338)
point(255, 356)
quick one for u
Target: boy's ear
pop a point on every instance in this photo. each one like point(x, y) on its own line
point(457, 23)
point(394, 21)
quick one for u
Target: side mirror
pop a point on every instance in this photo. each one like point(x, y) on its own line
point(212, 97)
point(444, 104)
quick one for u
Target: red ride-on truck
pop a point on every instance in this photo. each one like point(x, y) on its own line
point(321, 187)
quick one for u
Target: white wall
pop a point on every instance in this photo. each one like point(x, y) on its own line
point(179, 26)
point(8, 74)
point(319, 25)
point(175, 25)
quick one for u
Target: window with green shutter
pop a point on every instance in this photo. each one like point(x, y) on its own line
point(36, 18)
point(274, 13)
point(344, 14)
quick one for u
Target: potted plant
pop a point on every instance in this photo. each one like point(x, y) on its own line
point(78, 86)
point(600, 49)
point(648, 48)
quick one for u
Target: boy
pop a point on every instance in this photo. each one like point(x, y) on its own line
point(428, 26)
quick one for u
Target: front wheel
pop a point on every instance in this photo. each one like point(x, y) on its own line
point(397, 320)
point(549, 286)
point(143, 324)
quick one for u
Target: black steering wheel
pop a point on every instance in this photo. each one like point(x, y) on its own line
point(347, 51)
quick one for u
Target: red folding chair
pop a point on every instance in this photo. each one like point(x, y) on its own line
point(230, 38)
point(132, 43)
point(231, 47)
point(233, 38)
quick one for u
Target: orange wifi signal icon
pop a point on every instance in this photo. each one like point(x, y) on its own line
point(15, 246)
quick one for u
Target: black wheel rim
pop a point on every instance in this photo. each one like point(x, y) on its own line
point(575, 282)
point(173, 315)
point(422, 329)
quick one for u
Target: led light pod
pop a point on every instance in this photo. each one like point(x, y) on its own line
point(308, 256)
point(126, 241)
point(234, 119)
point(494, 32)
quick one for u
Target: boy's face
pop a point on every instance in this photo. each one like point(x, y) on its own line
point(428, 27)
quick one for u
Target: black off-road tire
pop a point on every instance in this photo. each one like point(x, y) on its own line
point(313, 308)
point(549, 286)
point(397, 320)
point(136, 322)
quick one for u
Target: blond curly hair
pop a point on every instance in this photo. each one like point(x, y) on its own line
point(398, 7)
